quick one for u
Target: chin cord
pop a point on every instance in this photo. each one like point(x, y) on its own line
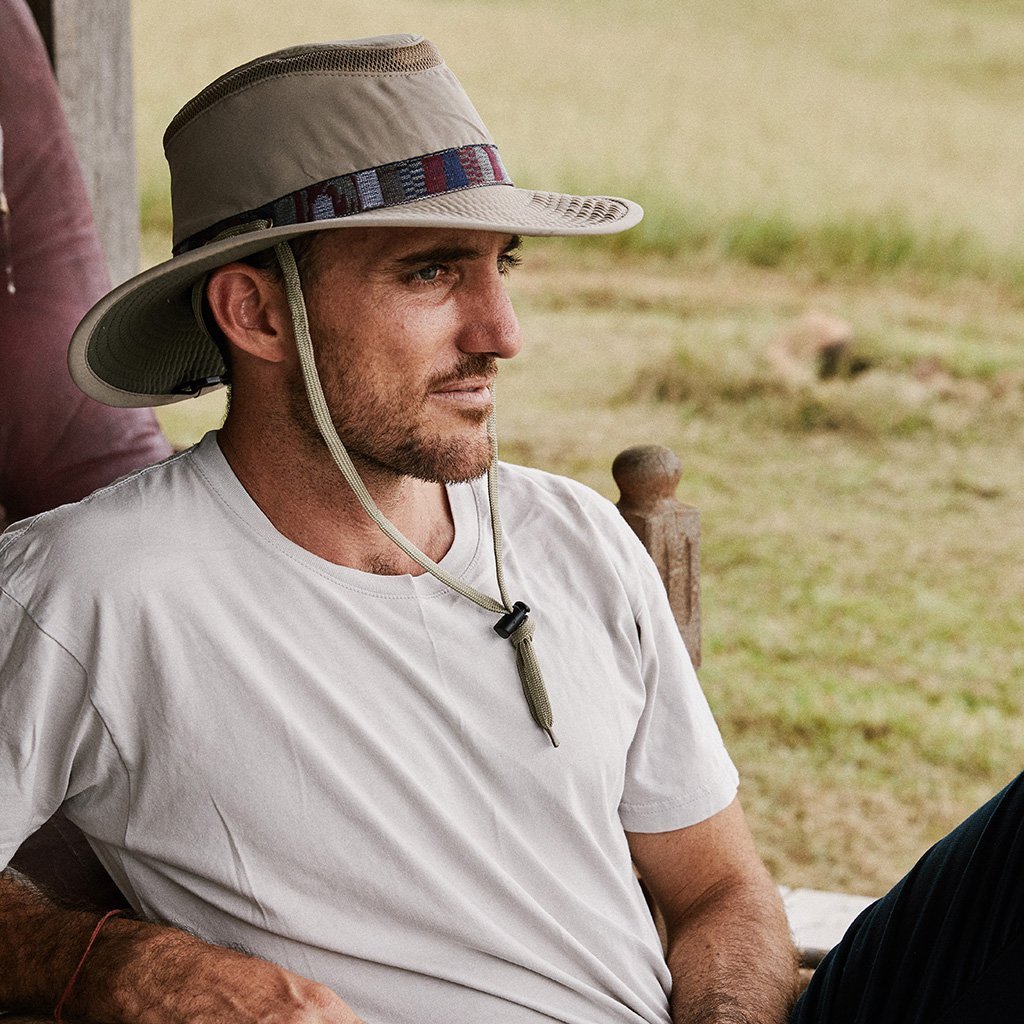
point(515, 625)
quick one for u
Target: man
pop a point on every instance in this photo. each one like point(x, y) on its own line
point(288, 682)
point(272, 694)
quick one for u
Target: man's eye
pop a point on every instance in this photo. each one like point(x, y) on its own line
point(508, 261)
point(428, 273)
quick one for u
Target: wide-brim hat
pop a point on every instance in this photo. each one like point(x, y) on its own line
point(368, 132)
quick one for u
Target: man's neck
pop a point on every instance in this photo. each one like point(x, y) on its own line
point(303, 494)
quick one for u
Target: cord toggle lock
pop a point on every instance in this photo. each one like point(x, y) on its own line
point(511, 621)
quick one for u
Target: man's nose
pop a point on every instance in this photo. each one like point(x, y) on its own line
point(489, 322)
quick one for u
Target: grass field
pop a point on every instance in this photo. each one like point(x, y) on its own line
point(863, 578)
point(742, 125)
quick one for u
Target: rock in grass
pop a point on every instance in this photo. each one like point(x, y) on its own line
point(816, 346)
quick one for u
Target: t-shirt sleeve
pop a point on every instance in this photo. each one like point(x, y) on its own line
point(678, 772)
point(47, 723)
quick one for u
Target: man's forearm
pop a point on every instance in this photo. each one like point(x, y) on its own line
point(142, 972)
point(732, 958)
point(41, 944)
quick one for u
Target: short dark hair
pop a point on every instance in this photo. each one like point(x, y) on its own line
point(303, 248)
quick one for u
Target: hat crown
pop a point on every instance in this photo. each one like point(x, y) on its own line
point(285, 122)
point(376, 55)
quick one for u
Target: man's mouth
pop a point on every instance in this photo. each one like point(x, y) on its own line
point(471, 391)
point(468, 385)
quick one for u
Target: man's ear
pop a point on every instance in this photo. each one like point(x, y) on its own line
point(251, 310)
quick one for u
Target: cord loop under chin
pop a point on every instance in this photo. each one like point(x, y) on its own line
point(515, 616)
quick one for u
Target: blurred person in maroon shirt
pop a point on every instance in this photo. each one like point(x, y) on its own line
point(56, 445)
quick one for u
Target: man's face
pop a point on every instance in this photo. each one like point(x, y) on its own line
point(407, 327)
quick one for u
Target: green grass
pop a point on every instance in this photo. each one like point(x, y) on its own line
point(863, 581)
point(852, 244)
point(850, 136)
point(863, 590)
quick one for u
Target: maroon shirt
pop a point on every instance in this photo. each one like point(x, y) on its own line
point(56, 445)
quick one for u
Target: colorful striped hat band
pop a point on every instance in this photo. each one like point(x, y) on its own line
point(375, 188)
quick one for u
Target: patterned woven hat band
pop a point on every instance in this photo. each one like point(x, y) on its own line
point(324, 131)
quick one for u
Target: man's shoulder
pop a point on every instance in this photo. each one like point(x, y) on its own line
point(101, 535)
point(558, 509)
point(561, 488)
point(562, 496)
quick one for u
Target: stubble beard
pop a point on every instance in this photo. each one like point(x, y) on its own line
point(383, 434)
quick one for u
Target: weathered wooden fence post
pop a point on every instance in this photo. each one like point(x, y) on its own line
point(90, 46)
point(647, 477)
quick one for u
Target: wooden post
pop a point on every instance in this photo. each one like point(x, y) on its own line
point(90, 47)
point(647, 477)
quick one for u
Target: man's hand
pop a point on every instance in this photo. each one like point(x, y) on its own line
point(729, 948)
point(140, 973)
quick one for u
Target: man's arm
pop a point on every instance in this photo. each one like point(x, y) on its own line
point(141, 972)
point(729, 949)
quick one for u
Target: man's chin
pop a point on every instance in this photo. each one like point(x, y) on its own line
point(464, 477)
point(447, 462)
point(452, 470)
point(450, 460)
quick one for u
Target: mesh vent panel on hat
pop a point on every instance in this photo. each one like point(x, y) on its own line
point(501, 207)
point(589, 209)
point(346, 60)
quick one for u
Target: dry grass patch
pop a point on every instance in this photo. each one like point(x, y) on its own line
point(811, 133)
point(862, 582)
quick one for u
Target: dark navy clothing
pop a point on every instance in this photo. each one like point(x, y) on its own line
point(946, 945)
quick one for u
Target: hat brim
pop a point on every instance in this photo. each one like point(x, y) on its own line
point(142, 341)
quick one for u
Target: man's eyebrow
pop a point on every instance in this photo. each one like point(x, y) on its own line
point(452, 253)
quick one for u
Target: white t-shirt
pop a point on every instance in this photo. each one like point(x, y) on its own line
point(338, 770)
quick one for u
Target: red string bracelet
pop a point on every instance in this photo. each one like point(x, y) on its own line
point(81, 963)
